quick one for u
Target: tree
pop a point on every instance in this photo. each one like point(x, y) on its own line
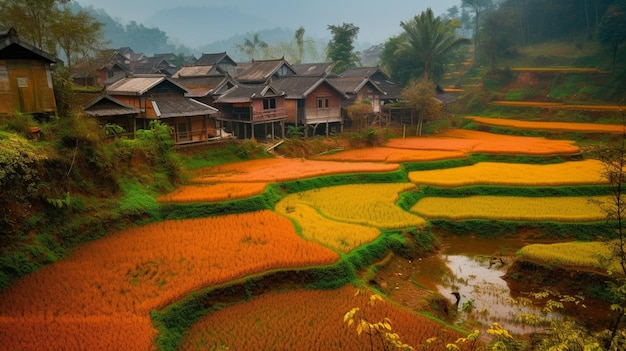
point(419, 95)
point(613, 158)
point(497, 34)
point(299, 49)
point(340, 49)
point(358, 113)
point(251, 47)
point(477, 6)
point(402, 68)
point(32, 19)
point(612, 29)
point(429, 40)
point(78, 35)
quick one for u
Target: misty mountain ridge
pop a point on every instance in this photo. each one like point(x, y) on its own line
point(198, 30)
point(198, 26)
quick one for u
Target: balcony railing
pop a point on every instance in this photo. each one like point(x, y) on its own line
point(258, 116)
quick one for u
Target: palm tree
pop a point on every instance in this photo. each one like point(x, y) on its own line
point(250, 47)
point(429, 39)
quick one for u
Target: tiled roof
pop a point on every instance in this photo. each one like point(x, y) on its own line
point(246, 93)
point(445, 98)
point(195, 71)
point(313, 69)
point(299, 87)
point(261, 71)
point(104, 106)
point(351, 85)
point(213, 59)
point(139, 85)
point(180, 107)
point(363, 72)
point(203, 86)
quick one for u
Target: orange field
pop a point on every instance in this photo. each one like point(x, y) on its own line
point(469, 141)
point(560, 106)
point(306, 320)
point(283, 169)
point(391, 155)
point(104, 292)
point(213, 192)
point(562, 126)
point(556, 69)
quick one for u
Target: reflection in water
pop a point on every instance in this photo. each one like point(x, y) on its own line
point(473, 268)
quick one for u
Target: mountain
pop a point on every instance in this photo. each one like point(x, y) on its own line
point(197, 26)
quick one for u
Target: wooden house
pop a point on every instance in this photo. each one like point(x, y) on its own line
point(358, 89)
point(109, 110)
point(252, 111)
point(263, 71)
point(312, 101)
point(25, 77)
point(206, 89)
point(156, 97)
point(392, 91)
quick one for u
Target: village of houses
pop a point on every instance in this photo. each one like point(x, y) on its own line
point(209, 98)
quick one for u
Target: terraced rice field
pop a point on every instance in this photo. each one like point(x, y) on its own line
point(560, 126)
point(101, 295)
point(305, 323)
point(494, 173)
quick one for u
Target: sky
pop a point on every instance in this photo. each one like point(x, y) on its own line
point(377, 20)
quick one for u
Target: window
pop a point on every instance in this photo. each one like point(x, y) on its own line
point(322, 103)
point(269, 104)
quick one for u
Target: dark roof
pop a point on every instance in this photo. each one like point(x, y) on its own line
point(154, 65)
point(180, 107)
point(261, 71)
point(321, 69)
point(351, 85)
point(140, 84)
point(105, 105)
point(214, 59)
point(364, 72)
point(13, 48)
point(170, 56)
point(246, 93)
point(392, 90)
point(298, 87)
point(207, 85)
point(445, 98)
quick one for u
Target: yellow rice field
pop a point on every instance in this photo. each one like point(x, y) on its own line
point(367, 204)
point(575, 253)
point(513, 208)
point(338, 236)
point(494, 173)
point(561, 126)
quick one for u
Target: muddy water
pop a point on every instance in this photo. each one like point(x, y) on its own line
point(473, 267)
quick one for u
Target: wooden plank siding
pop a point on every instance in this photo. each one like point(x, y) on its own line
point(26, 86)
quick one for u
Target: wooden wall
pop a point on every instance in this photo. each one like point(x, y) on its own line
point(26, 86)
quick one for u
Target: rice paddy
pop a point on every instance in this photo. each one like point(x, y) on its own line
point(513, 208)
point(560, 126)
point(494, 173)
point(101, 295)
point(575, 253)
